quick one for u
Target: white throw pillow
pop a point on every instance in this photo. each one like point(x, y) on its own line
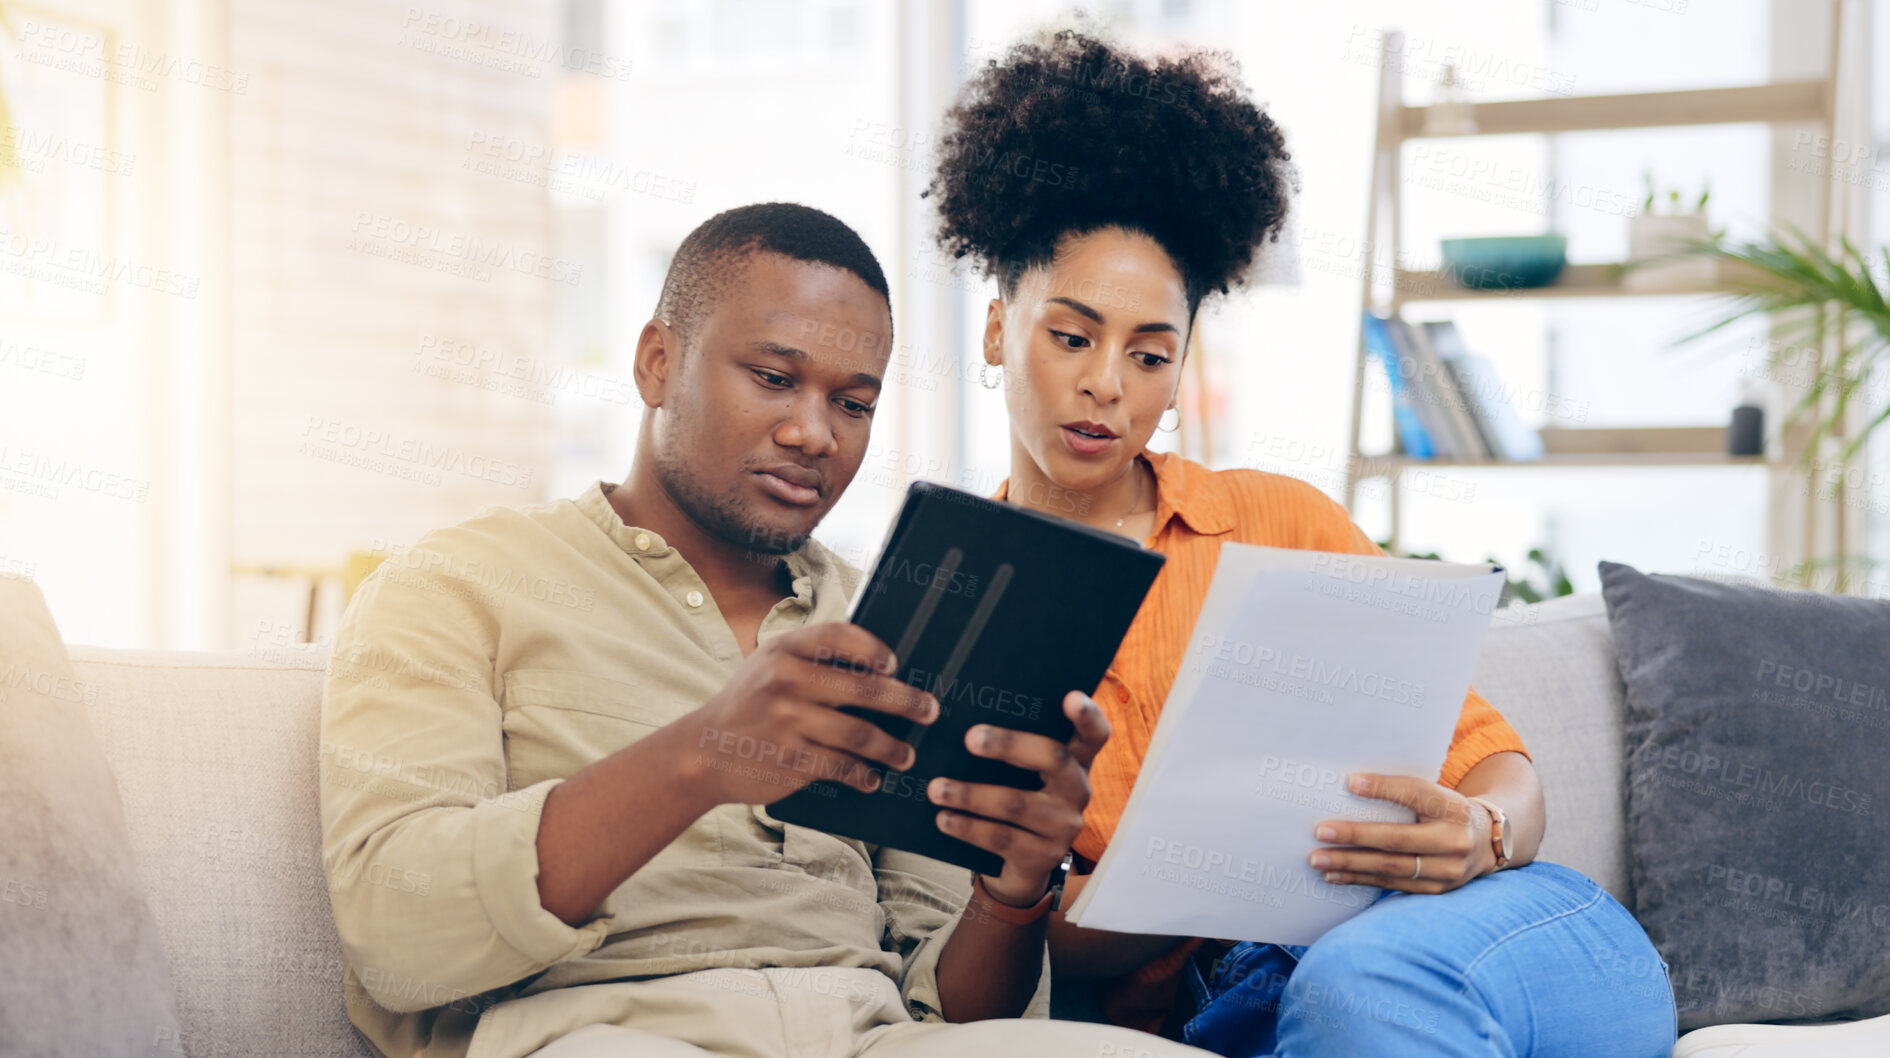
point(85, 973)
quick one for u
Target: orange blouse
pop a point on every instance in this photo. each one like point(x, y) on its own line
point(1196, 510)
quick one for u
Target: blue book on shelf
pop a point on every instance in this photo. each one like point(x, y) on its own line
point(1514, 438)
point(1509, 437)
point(1411, 434)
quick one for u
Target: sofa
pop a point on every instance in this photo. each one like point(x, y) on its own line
point(215, 756)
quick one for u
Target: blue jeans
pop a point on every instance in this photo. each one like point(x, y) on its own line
point(1536, 961)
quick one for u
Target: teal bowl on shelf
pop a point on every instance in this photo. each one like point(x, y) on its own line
point(1505, 262)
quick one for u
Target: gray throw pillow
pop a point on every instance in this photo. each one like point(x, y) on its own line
point(1758, 758)
point(85, 972)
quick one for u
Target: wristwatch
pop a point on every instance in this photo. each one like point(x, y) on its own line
point(1501, 843)
point(1057, 877)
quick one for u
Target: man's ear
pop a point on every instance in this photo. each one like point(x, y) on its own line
point(659, 353)
point(994, 332)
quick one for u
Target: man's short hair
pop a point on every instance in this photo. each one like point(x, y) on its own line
point(704, 265)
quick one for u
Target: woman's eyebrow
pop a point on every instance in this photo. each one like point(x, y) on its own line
point(1078, 306)
point(1140, 328)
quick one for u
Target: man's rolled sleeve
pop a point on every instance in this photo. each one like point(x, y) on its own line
point(432, 863)
point(505, 872)
point(923, 900)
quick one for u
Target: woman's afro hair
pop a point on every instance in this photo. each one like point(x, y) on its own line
point(1071, 134)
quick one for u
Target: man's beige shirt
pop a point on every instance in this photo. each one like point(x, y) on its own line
point(479, 668)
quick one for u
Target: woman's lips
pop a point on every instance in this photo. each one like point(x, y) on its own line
point(788, 492)
point(1083, 444)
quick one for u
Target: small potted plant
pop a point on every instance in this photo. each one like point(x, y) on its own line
point(1661, 244)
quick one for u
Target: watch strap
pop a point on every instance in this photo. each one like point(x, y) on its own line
point(1011, 913)
point(1499, 825)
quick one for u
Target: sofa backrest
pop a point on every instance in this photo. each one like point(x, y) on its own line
point(216, 758)
point(1550, 670)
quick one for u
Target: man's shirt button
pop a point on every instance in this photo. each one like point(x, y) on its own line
point(643, 541)
point(694, 598)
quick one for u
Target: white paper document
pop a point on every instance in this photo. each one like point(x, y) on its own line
point(1304, 667)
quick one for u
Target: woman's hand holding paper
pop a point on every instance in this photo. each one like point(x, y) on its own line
point(1448, 845)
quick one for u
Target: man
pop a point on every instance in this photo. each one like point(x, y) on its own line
point(549, 733)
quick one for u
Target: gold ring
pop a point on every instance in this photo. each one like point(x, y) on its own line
point(1418, 868)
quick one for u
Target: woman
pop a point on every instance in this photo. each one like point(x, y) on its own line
point(1177, 180)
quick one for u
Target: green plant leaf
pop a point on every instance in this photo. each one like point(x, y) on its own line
point(1807, 290)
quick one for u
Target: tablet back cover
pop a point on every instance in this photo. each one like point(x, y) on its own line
point(998, 611)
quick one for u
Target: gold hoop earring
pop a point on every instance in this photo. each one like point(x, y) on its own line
point(1170, 429)
point(987, 380)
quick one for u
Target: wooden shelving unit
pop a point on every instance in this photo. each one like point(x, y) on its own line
point(1782, 102)
point(1576, 281)
point(1789, 102)
point(1652, 446)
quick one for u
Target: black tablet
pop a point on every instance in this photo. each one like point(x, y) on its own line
point(999, 611)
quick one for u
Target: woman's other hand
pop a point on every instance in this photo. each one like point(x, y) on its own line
point(1447, 846)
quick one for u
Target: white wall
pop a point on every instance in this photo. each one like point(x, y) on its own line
point(317, 395)
point(92, 296)
point(376, 397)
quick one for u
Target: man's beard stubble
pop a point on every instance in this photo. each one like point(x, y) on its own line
point(727, 518)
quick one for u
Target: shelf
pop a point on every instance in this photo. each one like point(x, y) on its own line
point(1786, 101)
point(1647, 446)
point(1782, 106)
point(1576, 281)
point(1371, 466)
